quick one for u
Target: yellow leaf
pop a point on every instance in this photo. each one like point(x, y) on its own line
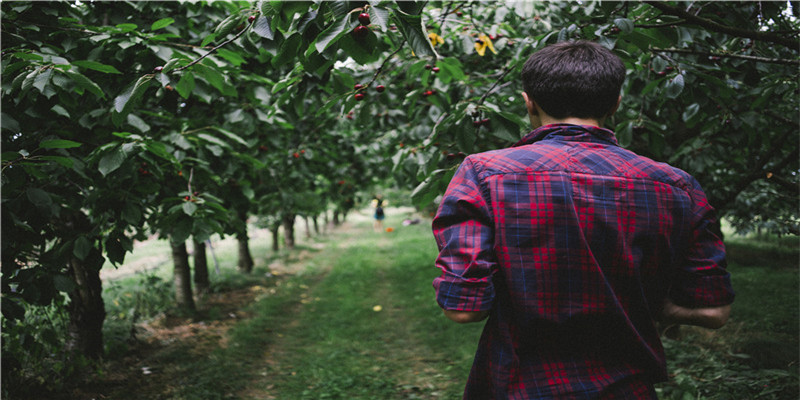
point(435, 39)
point(482, 43)
point(377, 308)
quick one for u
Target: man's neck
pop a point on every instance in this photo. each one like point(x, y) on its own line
point(547, 120)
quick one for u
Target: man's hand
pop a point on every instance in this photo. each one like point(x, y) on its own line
point(463, 317)
point(709, 317)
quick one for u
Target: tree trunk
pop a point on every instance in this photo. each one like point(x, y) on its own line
point(274, 229)
point(183, 277)
point(316, 225)
point(308, 227)
point(86, 308)
point(245, 262)
point(245, 258)
point(335, 217)
point(201, 282)
point(288, 230)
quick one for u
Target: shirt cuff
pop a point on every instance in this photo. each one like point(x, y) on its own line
point(464, 295)
point(707, 291)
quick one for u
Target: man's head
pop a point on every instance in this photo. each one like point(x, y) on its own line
point(579, 79)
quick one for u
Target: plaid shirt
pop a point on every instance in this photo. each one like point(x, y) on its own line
point(573, 243)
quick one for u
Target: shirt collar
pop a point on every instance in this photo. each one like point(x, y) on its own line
point(570, 132)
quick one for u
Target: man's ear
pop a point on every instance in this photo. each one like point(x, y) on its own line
point(533, 111)
point(530, 104)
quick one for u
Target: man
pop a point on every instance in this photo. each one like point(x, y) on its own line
point(574, 247)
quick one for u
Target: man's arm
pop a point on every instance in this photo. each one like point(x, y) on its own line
point(463, 317)
point(465, 238)
point(707, 317)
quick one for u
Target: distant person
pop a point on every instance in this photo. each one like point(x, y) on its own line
point(379, 214)
point(575, 247)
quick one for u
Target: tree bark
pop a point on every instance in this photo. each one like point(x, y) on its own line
point(274, 229)
point(201, 281)
point(245, 258)
point(288, 230)
point(86, 308)
point(316, 225)
point(182, 277)
point(335, 217)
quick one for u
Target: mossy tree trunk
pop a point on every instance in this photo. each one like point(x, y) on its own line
point(182, 278)
point(201, 281)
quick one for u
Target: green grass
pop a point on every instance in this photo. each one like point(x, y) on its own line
point(369, 328)
point(358, 320)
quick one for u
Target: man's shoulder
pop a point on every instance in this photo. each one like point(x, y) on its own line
point(611, 161)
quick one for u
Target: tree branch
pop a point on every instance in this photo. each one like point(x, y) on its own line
point(791, 43)
point(215, 48)
point(380, 69)
point(664, 25)
point(503, 75)
point(740, 56)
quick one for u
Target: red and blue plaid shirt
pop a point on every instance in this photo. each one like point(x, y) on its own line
point(573, 243)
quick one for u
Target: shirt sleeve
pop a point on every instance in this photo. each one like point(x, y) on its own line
point(703, 279)
point(463, 230)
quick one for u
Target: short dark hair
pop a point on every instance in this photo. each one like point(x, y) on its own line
point(579, 79)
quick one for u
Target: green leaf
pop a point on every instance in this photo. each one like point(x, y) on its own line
point(65, 162)
point(162, 23)
point(213, 140)
point(159, 149)
point(690, 111)
point(115, 250)
point(94, 65)
point(231, 136)
point(361, 50)
point(39, 197)
point(431, 187)
point(8, 122)
point(233, 57)
point(125, 101)
point(28, 56)
point(212, 76)
point(379, 16)
point(111, 161)
point(60, 110)
point(185, 85)
point(58, 144)
point(208, 39)
point(288, 50)
point(624, 24)
point(82, 247)
point(189, 207)
point(261, 28)
point(674, 87)
point(331, 34)
point(413, 30)
point(124, 28)
point(42, 80)
point(138, 123)
point(624, 133)
point(226, 26)
point(85, 83)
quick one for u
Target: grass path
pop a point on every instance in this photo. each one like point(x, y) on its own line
point(366, 326)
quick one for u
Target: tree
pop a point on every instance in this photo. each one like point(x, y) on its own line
point(123, 118)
